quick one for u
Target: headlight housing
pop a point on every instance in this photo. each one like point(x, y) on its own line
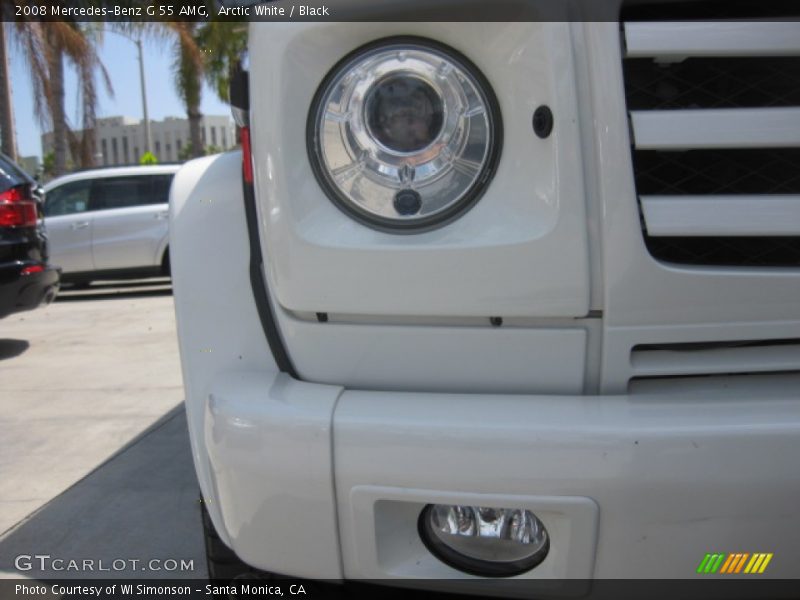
point(404, 134)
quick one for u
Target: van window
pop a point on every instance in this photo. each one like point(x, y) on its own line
point(123, 192)
point(67, 199)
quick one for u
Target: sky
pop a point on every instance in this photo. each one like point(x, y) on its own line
point(119, 56)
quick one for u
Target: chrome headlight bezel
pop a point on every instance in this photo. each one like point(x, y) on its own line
point(451, 180)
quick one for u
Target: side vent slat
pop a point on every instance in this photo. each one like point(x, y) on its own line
point(676, 360)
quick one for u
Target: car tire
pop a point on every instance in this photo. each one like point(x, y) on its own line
point(223, 564)
point(166, 269)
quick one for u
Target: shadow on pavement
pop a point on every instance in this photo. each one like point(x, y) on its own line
point(116, 290)
point(10, 348)
point(140, 505)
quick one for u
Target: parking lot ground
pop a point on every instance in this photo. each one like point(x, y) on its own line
point(79, 380)
point(135, 516)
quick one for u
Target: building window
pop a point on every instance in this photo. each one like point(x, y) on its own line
point(203, 135)
point(213, 136)
point(224, 131)
point(114, 151)
point(125, 150)
point(169, 151)
point(104, 147)
point(136, 154)
point(158, 149)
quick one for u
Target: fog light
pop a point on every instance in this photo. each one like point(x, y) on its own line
point(491, 542)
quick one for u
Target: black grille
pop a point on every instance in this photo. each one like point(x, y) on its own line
point(727, 251)
point(746, 82)
point(758, 171)
point(717, 83)
point(682, 10)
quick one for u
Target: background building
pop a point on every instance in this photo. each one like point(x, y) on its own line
point(120, 140)
point(29, 164)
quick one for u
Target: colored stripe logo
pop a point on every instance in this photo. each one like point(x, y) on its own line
point(734, 563)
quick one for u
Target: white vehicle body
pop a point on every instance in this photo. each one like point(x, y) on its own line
point(648, 412)
point(110, 222)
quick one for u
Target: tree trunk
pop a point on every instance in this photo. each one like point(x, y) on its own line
point(8, 144)
point(55, 69)
point(89, 148)
point(195, 123)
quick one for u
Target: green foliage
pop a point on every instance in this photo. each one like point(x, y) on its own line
point(49, 163)
point(148, 158)
point(223, 44)
point(185, 153)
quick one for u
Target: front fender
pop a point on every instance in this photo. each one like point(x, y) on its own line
point(214, 308)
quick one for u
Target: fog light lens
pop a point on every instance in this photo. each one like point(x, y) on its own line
point(492, 542)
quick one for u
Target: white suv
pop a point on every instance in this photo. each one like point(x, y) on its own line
point(499, 302)
point(110, 223)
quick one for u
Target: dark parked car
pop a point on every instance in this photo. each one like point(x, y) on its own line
point(26, 280)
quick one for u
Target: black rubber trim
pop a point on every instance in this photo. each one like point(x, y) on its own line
point(439, 219)
point(259, 285)
point(470, 565)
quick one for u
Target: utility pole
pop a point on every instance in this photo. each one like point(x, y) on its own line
point(148, 143)
point(147, 136)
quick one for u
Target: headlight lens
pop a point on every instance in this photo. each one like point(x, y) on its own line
point(404, 134)
point(404, 113)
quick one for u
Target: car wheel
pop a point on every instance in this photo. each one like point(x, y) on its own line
point(223, 564)
point(165, 266)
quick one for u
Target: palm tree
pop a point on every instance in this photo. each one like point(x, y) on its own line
point(8, 143)
point(224, 43)
point(46, 46)
point(187, 65)
point(188, 68)
point(209, 51)
point(84, 148)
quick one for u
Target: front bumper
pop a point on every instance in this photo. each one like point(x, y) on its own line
point(19, 292)
point(321, 482)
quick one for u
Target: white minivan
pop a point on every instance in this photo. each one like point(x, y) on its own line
point(110, 223)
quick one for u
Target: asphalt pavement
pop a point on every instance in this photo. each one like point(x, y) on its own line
point(94, 453)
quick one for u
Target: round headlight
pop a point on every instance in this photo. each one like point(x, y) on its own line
point(404, 134)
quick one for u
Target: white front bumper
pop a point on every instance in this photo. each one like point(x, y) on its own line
point(317, 481)
point(322, 482)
